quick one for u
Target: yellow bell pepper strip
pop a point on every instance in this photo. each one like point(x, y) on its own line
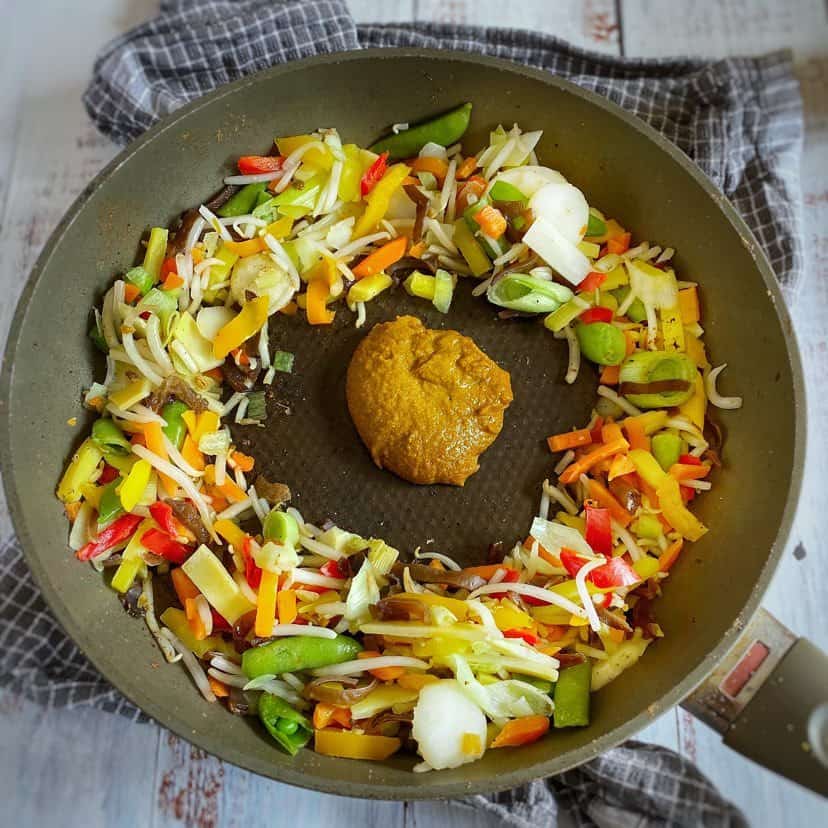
point(508, 617)
point(647, 566)
point(324, 714)
point(688, 302)
point(695, 409)
point(583, 464)
point(650, 421)
point(349, 745)
point(382, 258)
point(190, 452)
point(675, 512)
point(694, 348)
point(470, 249)
point(154, 437)
point(286, 606)
point(231, 533)
point(176, 620)
point(80, 469)
point(155, 252)
point(420, 285)
point(352, 170)
point(245, 324)
point(317, 308)
point(379, 198)
point(459, 608)
point(133, 393)
point(266, 609)
point(319, 157)
point(672, 329)
point(416, 681)
point(207, 572)
point(619, 466)
point(245, 248)
point(132, 489)
point(280, 228)
point(647, 466)
point(208, 421)
point(521, 731)
point(369, 288)
point(133, 559)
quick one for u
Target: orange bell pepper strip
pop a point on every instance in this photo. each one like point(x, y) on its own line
point(286, 606)
point(521, 731)
point(491, 221)
point(436, 166)
point(154, 438)
point(610, 375)
point(684, 471)
point(324, 714)
point(583, 464)
point(465, 169)
point(289, 309)
point(635, 434)
point(380, 259)
point(382, 673)
point(247, 247)
point(190, 452)
point(605, 498)
point(266, 608)
point(317, 309)
point(620, 465)
point(247, 322)
point(183, 586)
point(670, 555)
point(620, 244)
point(569, 440)
point(172, 282)
point(416, 681)
point(485, 571)
point(194, 619)
point(610, 432)
point(688, 302)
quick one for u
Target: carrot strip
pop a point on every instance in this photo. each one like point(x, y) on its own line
point(172, 282)
point(492, 222)
point(635, 434)
point(194, 619)
point(436, 166)
point(605, 498)
point(154, 438)
point(485, 571)
point(670, 555)
point(521, 731)
point(468, 166)
point(620, 244)
point(131, 293)
point(219, 688)
point(266, 609)
point(610, 375)
point(382, 673)
point(684, 471)
point(389, 253)
point(610, 432)
point(183, 586)
point(244, 461)
point(569, 440)
point(190, 452)
point(585, 463)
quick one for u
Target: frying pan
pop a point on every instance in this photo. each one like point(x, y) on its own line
point(628, 171)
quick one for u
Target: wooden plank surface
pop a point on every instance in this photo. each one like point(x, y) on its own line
point(127, 774)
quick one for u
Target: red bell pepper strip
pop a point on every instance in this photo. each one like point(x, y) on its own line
point(252, 571)
point(108, 474)
point(616, 572)
point(115, 533)
point(598, 531)
point(596, 315)
point(595, 433)
point(527, 635)
point(333, 569)
point(373, 174)
point(220, 623)
point(257, 164)
point(161, 544)
point(511, 576)
point(592, 282)
point(689, 460)
point(162, 514)
point(168, 266)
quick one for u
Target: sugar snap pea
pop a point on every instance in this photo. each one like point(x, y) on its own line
point(243, 201)
point(444, 130)
point(286, 725)
point(175, 427)
point(301, 652)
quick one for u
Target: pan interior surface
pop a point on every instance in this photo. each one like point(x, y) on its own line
point(314, 448)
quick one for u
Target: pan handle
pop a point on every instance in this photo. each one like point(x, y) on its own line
point(769, 700)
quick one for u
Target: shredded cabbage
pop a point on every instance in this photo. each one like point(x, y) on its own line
point(554, 536)
point(363, 592)
point(654, 287)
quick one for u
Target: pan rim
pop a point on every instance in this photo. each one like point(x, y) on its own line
point(435, 790)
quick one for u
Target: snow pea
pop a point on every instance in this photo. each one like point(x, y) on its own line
point(243, 201)
point(109, 438)
point(286, 725)
point(602, 343)
point(444, 130)
point(175, 427)
point(300, 652)
point(572, 695)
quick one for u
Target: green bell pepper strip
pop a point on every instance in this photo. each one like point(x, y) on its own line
point(262, 197)
point(657, 379)
point(286, 725)
point(301, 652)
point(97, 337)
point(109, 438)
point(280, 527)
point(156, 252)
point(528, 293)
point(283, 361)
point(602, 343)
point(175, 428)
point(243, 202)
point(444, 130)
point(666, 448)
point(504, 191)
point(595, 226)
point(572, 695)
point(141, 278)
point(109, 506)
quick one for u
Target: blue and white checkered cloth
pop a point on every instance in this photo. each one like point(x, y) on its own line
point(739, 119)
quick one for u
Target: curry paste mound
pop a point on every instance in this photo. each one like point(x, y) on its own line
point(426, 403)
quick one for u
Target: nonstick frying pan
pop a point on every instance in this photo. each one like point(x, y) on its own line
point(628, 171)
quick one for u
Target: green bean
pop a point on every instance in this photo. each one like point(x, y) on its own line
point(109, 506)
point(602, 343)
point(444, 130)
point(286, 725)
point(301, 652)
point(243, 201)
point(572, 695)
point(139, 277)
point(175, 428)
point(280, 527)
point(657, 379)
point(666, 449)
point(109, 438)
point(528, 293)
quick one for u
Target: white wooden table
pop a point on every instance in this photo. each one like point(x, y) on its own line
point(93, 769)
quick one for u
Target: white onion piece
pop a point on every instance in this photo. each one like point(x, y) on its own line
point(729, 403)
point(557, 251)
point(361, 665)
point(255, 178)
point(563, 206)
